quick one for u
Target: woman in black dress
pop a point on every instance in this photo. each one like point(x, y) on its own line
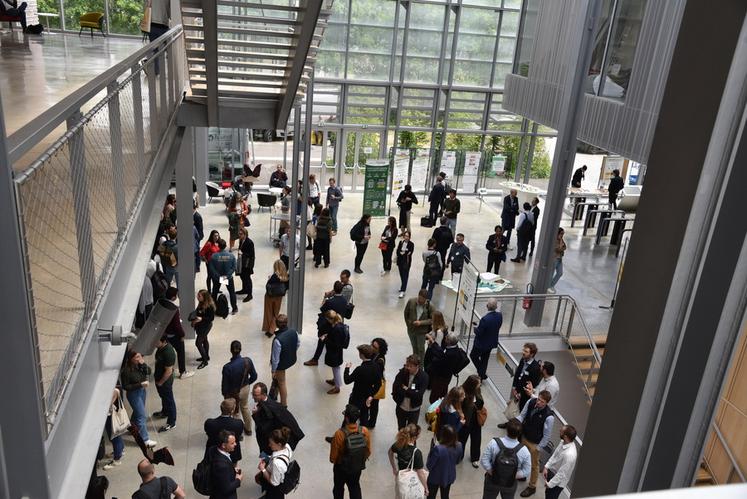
point(405, 249)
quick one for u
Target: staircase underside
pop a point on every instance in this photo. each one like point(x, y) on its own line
point(249, 62)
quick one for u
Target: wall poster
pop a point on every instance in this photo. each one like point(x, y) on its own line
point(419, 176)
point(374, 189)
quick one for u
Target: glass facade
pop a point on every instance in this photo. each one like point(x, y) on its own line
point(123, 16)
point(424, 75)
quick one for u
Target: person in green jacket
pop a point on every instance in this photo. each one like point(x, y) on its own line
point(418, 314)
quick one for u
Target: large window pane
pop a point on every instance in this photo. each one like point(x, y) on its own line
point(621, 51)
point(474, 59)
point(125, 16)
point(50, 7)
point(366, 105)
point(370, 52)
point(76, 8)
point(526, 39)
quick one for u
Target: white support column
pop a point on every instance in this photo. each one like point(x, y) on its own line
point(185, 223)
point(201, 162)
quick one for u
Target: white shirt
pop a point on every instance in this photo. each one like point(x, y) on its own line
point(562, 462)
point(314, 190)
point(551, 385)
point(278, 467)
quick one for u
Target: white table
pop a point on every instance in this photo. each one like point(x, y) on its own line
point(275, 220)
point(276, 190)
point(46, 16)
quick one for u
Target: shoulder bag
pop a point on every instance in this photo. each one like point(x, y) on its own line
point(408, 484)
point(120, 418)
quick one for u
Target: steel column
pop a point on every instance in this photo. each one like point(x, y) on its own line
point(137, 113)
point(683, 327)
point(23, 417)
point(294, 285)
point(201, 162)
point(565, 152)
point(115, 138)
point(522, 150)
point(210, 39)
point(185, 223)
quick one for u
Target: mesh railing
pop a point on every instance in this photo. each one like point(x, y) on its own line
point(76, 202)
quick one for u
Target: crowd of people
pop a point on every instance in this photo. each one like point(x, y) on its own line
point(420, 388)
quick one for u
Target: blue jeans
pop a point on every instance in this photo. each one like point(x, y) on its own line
point(558, 272)
point(136, 398)
point(333, 215)
point(168, 404)
point(117, 442)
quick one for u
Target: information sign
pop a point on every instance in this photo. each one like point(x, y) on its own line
point(471, 169)
point(419, 175)
point(401, 169)
point(448, 163)
point(374, 190)
point(467, 292)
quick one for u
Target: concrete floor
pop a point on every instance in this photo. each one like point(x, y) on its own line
point(39, 71)
point(378, 313)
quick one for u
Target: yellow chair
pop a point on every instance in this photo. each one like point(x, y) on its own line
point(93, 20)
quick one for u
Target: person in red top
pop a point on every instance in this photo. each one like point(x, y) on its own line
point(210, 247)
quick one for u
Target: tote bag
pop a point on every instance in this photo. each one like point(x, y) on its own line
point(408, 484)
point(145, 22)
point(120, 418)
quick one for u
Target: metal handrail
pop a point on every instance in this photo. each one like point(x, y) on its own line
point(734, 463)
point(515, 364)
point(29, 135)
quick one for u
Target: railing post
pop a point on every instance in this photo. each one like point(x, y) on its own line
point(557, 314)
point(115, 137)
point(570, 322)
point(82, 214)
point(513, 315)
point(163, 104)
point(153, 119)
point(137, 113)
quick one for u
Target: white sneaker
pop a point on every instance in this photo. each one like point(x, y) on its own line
point(551, 290)
point(401, 294)
point(382, 273)
point(150, 443)
point(186, 374)
point(111, 464)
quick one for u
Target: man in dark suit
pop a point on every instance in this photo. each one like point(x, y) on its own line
point(436, 198)
point(616, 185)
point(339, 304)
point(227, 422)
point(444, 238)
point(486, 338)
point(225, 478)
point(270, 415)
point(509, 213)
point(366, 380)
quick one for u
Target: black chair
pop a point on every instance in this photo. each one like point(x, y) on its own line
point(212, 191)
point(266, 200)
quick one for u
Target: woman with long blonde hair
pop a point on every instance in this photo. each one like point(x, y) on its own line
point(202, 322)
point(405, 452)
point(275, 289)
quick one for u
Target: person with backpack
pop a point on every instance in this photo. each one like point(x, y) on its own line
point(237, 376)
point(537, 419)
point(524, 231)
point(442, 461)
point(433, 268)
point(446, 360)
point(223, 264)
point(505, 462)
point(273, 474)
point(360, 234)
point(418, 318)
point(348, 452)
point(407, 391)
point(153, 487)
point(336, 340)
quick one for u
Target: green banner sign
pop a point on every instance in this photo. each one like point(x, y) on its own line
point(374, 190)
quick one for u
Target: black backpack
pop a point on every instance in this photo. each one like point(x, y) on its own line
point(201, 477)
point(292, 476)
point(221, 306)
point(159, 283)
point(346, 336)
point(354, 455)
point(505, 465)
point(463, 361)
point(526, 226)
point(432, 266)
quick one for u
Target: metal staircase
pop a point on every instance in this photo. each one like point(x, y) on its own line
point(249, 62)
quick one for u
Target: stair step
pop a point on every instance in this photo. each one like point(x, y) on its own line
point(586, 366)
point(592, 379)
point(583, 342)
point(586, 353)
point(704, 477)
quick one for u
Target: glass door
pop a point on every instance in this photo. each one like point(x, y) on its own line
point(360, 146)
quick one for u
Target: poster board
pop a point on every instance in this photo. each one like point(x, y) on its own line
point(610, 163)
point(471, 170)
point(448, 163)
point(374, 188)
point(400, 171)
point(498, 164)
point(467, 292)
point(419, 175)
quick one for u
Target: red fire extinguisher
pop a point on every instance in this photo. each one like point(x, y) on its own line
point(526, 303)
